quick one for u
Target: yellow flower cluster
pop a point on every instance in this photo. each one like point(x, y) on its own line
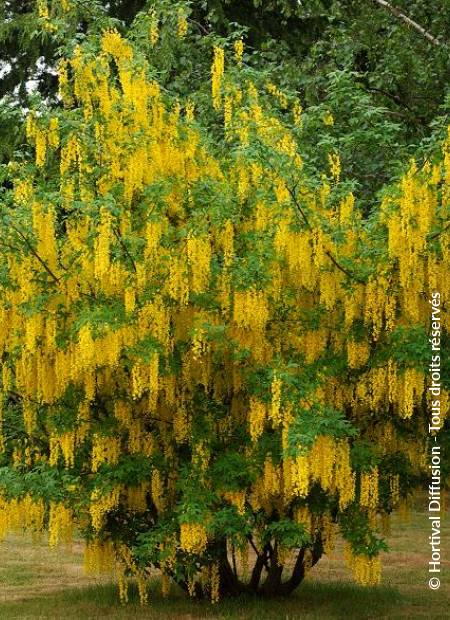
point(271, 479)
point(182, 24)
point(158, 491)
point(374, 304)
point(66, 443)
point(42, 8)
point(328, 119)
point(145, 377)
point(53, 133)
point(122, 582)
point(44, 228)
point(335, 166)
point(369, 489)
point(115, 45)
point(2, 438)
point(86, 348)
point(101, 503)
point(199, 257)
point(276, 92)
point(102, 248)
point(346, 210)
point(394, 485)
point(153, 30)
point(60, 524)
point(29, 416)
point(300, 475)
point(257, 417)
point(357, 353)
point(312, 344)
point(125, 563)
point(23, 190)
point(63, 85)
point(16, 515)
point(199, 344)
point(99, 557)
point(251, 310)
point(274, 410)
point(238, 51)
point(304, 517)
point(237, 499)
point(193, 538)
point(177, 282)
point(344, 476)
point(137, 497)
point(217, 71)
point(366, 570)
point(181, 424)
point(410, 391)
point(297, 113)
point(104, 450)
point(322, 460)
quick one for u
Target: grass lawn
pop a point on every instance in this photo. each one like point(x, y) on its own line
point(37, 582)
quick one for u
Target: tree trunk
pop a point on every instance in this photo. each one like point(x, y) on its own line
point(298, 572)
point(230, 585)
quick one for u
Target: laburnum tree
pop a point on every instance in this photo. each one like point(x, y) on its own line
point(211, 360)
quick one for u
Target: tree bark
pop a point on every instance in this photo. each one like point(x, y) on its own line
point(298, 573)
point(257, 571)
point(231, 586)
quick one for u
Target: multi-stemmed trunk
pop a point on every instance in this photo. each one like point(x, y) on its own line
point(266, 578)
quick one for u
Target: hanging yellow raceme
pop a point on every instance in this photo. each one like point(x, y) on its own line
point(193, 538)
point(217, 71)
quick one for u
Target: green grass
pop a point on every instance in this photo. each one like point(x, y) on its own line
point(16, 575)
point(36, 583)
point(314, 600)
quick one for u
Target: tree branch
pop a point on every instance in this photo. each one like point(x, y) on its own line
point(439, 232)
point(35, 254)
point(9, 246)
point(233, 557)
point(327, 252)
point(398, 100)
point(124, 247)
point(291, 191)
point(259, 555)
point(408, 21)
point(256, 574)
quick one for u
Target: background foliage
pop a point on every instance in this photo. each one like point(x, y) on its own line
point(384, 82)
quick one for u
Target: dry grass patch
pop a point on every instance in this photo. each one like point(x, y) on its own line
point(30, 568)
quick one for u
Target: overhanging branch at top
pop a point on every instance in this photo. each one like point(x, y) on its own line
point(410, 22)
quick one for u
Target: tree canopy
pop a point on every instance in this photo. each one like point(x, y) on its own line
point(215, 293)
point(383, 79)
